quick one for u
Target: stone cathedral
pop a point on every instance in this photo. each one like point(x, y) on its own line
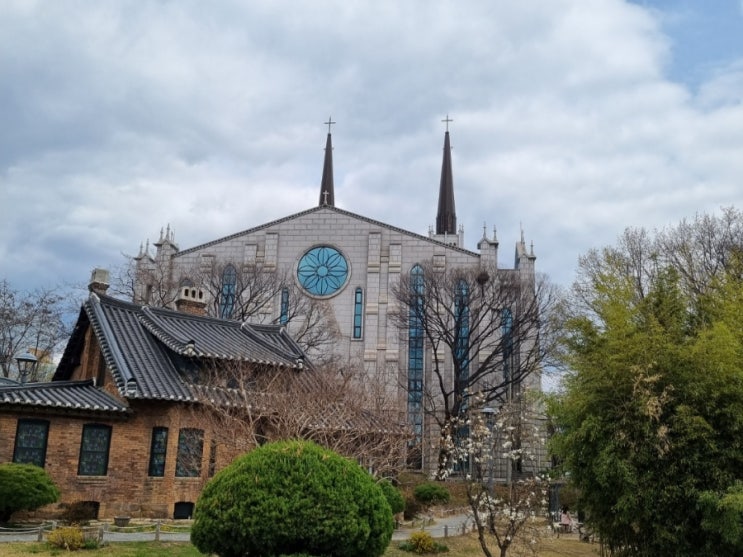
point(351, 263)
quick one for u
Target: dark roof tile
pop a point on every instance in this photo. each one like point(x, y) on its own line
point(61, 395)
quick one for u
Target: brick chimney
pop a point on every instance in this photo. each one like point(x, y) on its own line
point(191, 300)
point(100, 280)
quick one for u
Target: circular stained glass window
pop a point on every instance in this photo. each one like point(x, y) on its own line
point(322, 271)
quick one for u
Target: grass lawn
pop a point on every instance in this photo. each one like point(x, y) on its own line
point(465, 546)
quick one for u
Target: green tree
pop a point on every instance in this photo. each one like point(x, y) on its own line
point(24, 487)
point(292, 497)
point(649, 424)
point(723, 516)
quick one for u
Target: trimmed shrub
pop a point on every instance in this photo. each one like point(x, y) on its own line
point(292, 497)
point(393, 496)
point(24, 487)
point(421, 542)
point(70, 538)
point(430, 493)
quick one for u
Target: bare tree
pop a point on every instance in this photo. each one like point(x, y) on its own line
point(247, 406)
point(30, 322)
point(699, 252)
point(250, 292)
point(486, 330)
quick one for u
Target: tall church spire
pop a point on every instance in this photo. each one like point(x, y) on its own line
point(446, 218)
point(327, 194)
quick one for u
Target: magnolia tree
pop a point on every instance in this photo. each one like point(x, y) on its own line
point(509, 513)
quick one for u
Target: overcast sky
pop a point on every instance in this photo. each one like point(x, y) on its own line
point(571, 118)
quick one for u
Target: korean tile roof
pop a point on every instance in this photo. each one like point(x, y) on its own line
point(61, 395)
point(143, 345)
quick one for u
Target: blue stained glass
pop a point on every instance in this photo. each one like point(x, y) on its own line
point(322, 271)
point(227, 294)
point(415, 363)
point(507, 339)
point(284, 317)
point(158, 451)
point(358, 313)
point(94, 450)
point(30, 442)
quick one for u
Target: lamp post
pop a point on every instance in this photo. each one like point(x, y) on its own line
point(27, 363)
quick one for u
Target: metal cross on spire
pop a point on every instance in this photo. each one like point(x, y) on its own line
point(447, 120)
point(329, 123)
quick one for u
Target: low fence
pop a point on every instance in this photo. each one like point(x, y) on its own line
point(104, 532)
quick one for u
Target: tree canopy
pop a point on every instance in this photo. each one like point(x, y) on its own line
point(649, 424)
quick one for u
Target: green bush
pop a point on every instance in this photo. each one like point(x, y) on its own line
point(70, 538)
point(393, 496)
point(24, 487)
point(421, 542)
point(292, 497)
point(430, 493)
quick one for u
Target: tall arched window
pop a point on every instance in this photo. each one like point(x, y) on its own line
point(358, 312)
point(461, 357)
point(507, 340)
point(415, 365)
point(227, 294)
point(284, 316)
point(462, 316)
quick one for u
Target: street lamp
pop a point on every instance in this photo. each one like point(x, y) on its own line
point(26, 365)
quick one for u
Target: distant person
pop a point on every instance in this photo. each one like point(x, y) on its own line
point(566, 522)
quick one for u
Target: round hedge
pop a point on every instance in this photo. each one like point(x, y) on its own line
point(24, 487)
point(292, 497)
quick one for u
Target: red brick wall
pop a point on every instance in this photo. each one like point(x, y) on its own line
point(126, 489)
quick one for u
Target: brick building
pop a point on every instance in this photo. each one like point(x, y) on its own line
point(120, 425)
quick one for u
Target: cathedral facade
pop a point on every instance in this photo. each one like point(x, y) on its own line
point(350, 266)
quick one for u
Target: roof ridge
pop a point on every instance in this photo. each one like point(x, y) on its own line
point(316, 209)
point(111, 350)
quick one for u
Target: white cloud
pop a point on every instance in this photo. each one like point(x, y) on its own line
point(128, 116)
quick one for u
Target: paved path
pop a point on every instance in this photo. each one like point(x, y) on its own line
point(441, 527)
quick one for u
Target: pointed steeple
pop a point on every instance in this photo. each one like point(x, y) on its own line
point(446, 218)
point(327, 194)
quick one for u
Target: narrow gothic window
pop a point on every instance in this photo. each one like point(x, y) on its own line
point(94, 447)
point(415, 366)
point(30, 442)
point(284, 317)
point(358, 312)
point(190, 451)
point(507, 340)
point(158, 450)
point(227, 294)
point(462, 316)
point(461, 356)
